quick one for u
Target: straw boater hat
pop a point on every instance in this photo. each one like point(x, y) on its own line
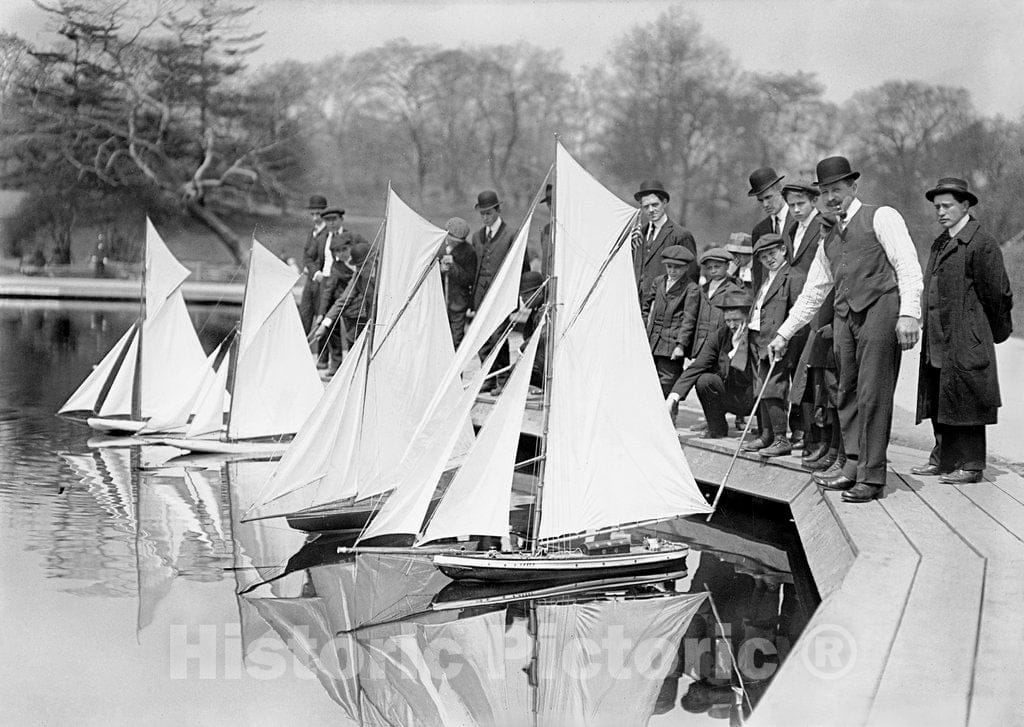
point(739, 244)
point(767, 242)
point(651, 186)
point(834, 169)
point(316, 202)
point(716, 253)
point(952, 185)
point(488, 199)
point(761, 179)
point(677, 254)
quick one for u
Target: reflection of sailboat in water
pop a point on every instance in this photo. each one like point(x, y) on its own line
point(174, 524)
point(262, 384)
point(159, 359)
point(610, 457)
point(597, 658)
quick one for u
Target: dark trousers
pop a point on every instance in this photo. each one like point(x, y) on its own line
point(308, 302)
point(457, 322)
point(956, 446)
point(718, 398)
point(669, 372)
point(868, 361)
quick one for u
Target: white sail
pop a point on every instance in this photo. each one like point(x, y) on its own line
point(175, 415)
point(276, 384)
point(613, 456)
point(478, 499)
point(405, 510)
point(87, 396)
point(212, 403)
point(164, 274)
point(118, 401)
point(312, 470)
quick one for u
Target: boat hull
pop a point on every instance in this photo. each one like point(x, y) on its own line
point(576, 567)
point(113, 425)
point(349, 516)
point(217, 446)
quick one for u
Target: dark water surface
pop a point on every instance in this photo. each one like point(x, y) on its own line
point(120, 576)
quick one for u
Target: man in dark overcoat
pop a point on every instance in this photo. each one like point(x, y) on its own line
point(670, 310)
point(656, 232)
point(458, 263)
point(311, 248)
point(491, 243)
point(779, 291)
point(871, 263)
point(966, 307)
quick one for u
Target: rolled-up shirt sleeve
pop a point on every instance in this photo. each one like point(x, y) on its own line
point(892, 233)
point(817, 287)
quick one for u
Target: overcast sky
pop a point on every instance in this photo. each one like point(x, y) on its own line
point(850, 45)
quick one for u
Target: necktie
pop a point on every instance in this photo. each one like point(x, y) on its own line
point(775, 225)
point(650, 233)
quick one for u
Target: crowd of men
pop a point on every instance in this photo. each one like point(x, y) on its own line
point(796, 329)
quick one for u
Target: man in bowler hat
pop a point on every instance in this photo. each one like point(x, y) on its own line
point(312, 260)
point(872, 264)
point(966, 306)
point(655, 233)
point(766, 188)
point(491, 243)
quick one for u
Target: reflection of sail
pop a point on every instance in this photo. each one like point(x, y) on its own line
point(107, 475)
point(590, 659)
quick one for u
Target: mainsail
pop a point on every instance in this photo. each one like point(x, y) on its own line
point(172, 359)
point(355, 438)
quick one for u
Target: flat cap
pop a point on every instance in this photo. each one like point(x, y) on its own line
point(767, 242)
point(677, 253)
point(716, 253)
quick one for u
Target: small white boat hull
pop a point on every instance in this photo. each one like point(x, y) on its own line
point(218, 446)
point(114, 425)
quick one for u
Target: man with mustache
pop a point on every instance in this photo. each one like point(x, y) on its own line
point(872, 264)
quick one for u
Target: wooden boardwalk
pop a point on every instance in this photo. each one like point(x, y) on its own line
point(922, 612)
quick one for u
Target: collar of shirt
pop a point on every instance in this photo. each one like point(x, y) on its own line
point(714, 285)
point(806, 223)
point(492, 230)
point(854, 207)
point(669, 282)
point(959, 226)
point(318, 227)
point(782, 215)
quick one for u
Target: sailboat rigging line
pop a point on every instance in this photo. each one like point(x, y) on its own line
point(136, 403)
point(525, 462)
point(728, 645)
point(623, 236)
point(739, 445)
point(610, 529)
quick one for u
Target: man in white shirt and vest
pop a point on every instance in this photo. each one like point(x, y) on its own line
point(872, 264)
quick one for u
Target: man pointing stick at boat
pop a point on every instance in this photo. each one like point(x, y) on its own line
point(872, 265)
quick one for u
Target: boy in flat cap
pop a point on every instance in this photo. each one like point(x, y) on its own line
point(670, 310)
point(458, 263)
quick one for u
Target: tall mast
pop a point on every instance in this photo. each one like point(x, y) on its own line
point(547, 266)
point(236, 352)
point(137, 374)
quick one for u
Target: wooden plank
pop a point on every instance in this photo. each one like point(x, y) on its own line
point(754, 477)
point(921, 684)
point(997, 504)
point(828, 552)
point(832, 674)
point(1006, 480)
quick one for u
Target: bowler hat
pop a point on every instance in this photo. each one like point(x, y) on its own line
point(651, 186)
point(716, 253)
point(457, 228)
point(761, 179)
point(316, 202)
point(488, 199)
point(359, 253)
point(333, 211)
point(768, 241)
point(734, 299)
point(677, 253)
point(739, 244)
point(547, 193)
point(952, 185)
point(803, 186)
point(833, 169)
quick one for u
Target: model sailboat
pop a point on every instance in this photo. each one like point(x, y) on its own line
point(348, 456)
point(156, 361)
point(262, 383)
point(610, 457)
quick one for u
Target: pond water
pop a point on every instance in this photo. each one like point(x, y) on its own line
point(130, 595)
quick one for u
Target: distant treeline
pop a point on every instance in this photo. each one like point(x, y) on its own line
point(125, 111)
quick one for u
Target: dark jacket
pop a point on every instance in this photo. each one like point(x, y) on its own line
point(458, 281)
point(973, 290)
point(782, 294)
point(355, 302)
point(313, 253)
point(489, 257)
point(671, 315)
point(763, 228)
point(647, 264)
point(713, 358)
point(333, 286)
point(802, 258)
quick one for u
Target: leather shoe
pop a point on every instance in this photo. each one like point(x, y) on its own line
point(862, 492)
point(926, 470)
point(834, 471)
point(961, 477)
point(814, 452)
point(779, 448)
point(839, 482)
point(797, 439)
point(755, 445)
point(823, 464)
